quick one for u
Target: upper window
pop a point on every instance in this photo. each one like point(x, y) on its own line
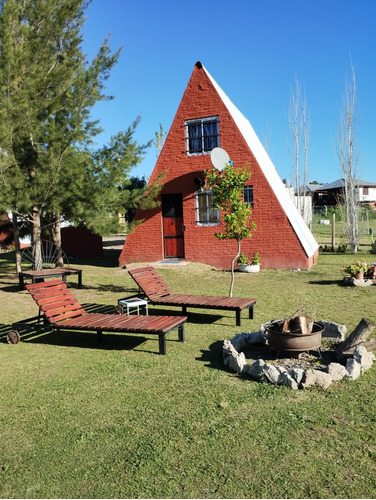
point(206, 215)
point(202, 135)
point(248, 195)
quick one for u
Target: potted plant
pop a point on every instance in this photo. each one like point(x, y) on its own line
point(247, 265)
point(356, 269)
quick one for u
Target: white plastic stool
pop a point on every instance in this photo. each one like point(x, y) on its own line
point(132, 302)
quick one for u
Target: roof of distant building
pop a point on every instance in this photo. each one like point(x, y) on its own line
point(314, 187)
point(340, 183)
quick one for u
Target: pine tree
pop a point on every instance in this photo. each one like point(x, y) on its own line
point(47, 91)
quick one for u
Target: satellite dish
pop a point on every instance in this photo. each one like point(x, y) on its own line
point(219, 158)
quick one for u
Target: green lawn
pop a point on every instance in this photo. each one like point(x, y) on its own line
point(117, 420)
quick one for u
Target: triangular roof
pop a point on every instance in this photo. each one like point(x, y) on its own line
point(340, 183)
point(300, 227)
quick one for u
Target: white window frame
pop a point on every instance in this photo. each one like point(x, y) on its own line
point(206, 222)
point(200, 121)
point(249, 188)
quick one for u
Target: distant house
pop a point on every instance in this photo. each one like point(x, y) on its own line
point(184, 226)
point(333, 193)
point(303, 201)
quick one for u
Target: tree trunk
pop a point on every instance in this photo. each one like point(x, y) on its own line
point(16, 243)
point(56, 238)
point(37, 243)
point(233, 270)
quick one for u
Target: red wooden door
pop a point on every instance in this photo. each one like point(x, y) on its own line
point(173, 229)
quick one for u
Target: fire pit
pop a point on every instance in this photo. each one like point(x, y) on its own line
point(294, 335)
point(294, 342)
point(257, 354)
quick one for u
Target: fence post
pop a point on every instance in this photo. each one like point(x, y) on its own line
point(333, 231)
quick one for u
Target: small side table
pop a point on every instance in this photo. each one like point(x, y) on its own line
point(132, 302)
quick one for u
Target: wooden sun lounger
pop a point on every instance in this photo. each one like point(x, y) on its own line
point(152, 286)
point(62, 311)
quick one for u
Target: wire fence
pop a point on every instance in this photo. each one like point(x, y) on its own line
point(328, 229)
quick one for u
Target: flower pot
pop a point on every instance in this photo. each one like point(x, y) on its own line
point(359, 276)
point(249, 268)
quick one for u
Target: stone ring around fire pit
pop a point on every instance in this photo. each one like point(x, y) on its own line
point(252, 355)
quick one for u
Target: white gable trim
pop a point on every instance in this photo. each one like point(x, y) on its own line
point(300, 227)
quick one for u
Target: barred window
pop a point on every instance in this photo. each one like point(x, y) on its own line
point(202, 135)
point(205, 213)
point(248, 195)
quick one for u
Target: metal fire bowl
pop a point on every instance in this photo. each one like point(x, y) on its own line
point(294, 342)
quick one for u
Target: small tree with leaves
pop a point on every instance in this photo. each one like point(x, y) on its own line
point(228, 196)
point(160, 139)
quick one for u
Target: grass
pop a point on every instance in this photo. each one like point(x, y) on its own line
point(117, 420)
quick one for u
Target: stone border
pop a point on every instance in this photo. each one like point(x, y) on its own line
point(297, 378)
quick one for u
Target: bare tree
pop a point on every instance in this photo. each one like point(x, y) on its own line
point(300, 127)
point(267, 137)
point(348, 160)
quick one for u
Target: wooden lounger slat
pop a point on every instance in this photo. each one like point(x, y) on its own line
point(49, 306)
point(45, 298)
point(137, 324)
point(46, 284)
point(68, 313)
point(44, 294)
point(146, 324)
point(200, 301)
point(49, 291)
point(151, 284)
point(155, 289)
point(52, 299)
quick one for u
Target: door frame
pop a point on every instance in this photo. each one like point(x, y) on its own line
point(172, 210)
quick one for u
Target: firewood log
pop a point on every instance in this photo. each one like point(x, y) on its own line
point(358, 336)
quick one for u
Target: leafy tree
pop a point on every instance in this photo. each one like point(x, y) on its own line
point(160, 139)
point(104, 187)
point(228, 188)
point(134, 188)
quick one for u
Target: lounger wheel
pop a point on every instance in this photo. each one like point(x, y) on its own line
point(13, 337)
